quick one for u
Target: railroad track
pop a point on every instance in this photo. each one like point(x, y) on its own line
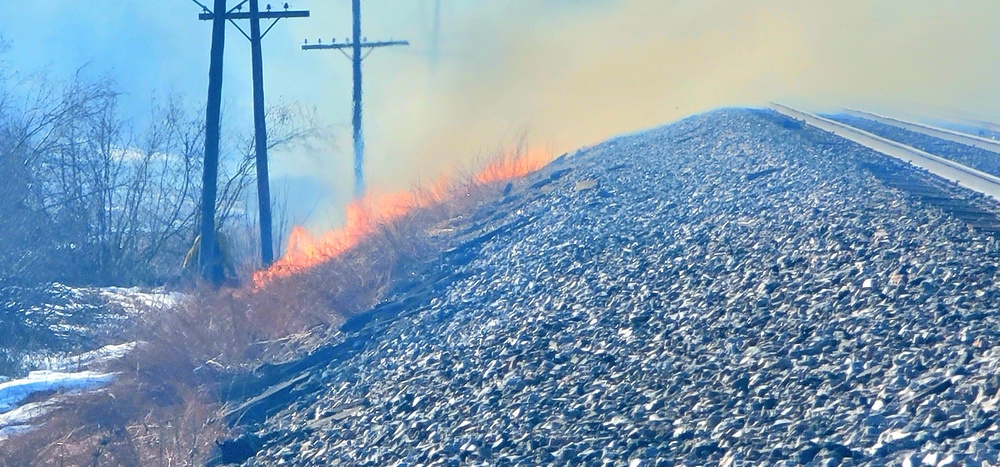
point(940, 133)
point(935, 185)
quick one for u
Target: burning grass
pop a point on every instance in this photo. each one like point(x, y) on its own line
point(164, 407)
point(374, 212)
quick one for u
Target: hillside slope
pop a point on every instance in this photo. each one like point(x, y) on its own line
point(732, 287)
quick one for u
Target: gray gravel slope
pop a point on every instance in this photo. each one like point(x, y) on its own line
point(735, 289)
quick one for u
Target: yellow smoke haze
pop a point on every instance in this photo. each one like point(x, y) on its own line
point(573, 73)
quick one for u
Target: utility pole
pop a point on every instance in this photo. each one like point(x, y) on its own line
point(357, 44)
point(260, 138)
point(206, 256)
point(260, 126)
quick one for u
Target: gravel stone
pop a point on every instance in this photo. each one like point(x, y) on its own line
point(694, 308)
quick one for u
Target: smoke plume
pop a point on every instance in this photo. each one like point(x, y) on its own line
point(571, 73)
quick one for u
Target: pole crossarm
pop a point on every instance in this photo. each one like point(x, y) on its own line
point(262, 15)
point(349, 45)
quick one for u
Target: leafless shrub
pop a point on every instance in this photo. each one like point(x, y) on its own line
point(90, 199)
point(130, 423)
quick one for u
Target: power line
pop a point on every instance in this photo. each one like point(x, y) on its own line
point(357, 44)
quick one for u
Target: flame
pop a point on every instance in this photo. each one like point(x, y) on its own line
point(305, 250)
point(507, 168)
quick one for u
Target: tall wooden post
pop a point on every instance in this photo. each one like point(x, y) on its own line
point(359, 141)
point(219, 18)
point(260, 139)
point(207, 259)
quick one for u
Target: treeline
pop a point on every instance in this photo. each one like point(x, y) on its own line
point(88, 198)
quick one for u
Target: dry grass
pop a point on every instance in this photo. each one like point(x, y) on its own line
point(130, 423)
point(163, 408)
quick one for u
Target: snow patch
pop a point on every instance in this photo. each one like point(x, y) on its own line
point(18, 421)
point(89, 359)
point(57, 376)
point(14, 392)
point(137, 300)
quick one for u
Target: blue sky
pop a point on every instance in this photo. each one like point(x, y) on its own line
point(159, 46)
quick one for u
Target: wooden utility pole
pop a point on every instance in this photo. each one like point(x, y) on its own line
point(260, 138)
point(357, 44)
point(207, 260)
point(359, 142)
point(260, 126)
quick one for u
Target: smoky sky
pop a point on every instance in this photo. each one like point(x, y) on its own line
point(574, 73)
point(561, 73)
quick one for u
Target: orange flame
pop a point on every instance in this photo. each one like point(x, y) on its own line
point(305, 250)
point(507, 168)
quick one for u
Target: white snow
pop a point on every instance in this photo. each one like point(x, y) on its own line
point(88, 359)
point(58, 376)
point(19, 420)
point(16, 418)
point(12, 430)
point(77, 373)
point(136, 299)
point(15, 391)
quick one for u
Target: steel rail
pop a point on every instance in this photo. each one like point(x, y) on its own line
point(967, 177)
point(941, 133)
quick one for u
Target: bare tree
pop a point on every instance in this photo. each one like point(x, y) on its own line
point(37, 124)
point(92, 200)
